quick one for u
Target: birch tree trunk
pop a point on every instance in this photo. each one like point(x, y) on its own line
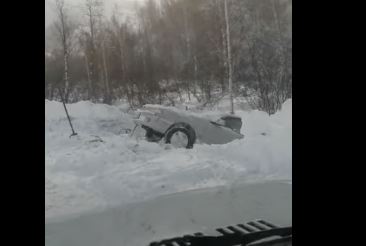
point(106, 79)
point(64, 32)
point(188, 46)
point(88, 76)
point(229, 59)
point(224, 46)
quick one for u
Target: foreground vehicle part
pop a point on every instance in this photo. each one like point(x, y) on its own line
point(254, 233)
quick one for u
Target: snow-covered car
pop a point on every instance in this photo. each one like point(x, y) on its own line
point(183, 128)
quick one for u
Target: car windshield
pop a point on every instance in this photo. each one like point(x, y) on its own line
point(166, 118)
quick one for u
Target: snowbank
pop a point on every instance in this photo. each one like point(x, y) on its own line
point(84, 175)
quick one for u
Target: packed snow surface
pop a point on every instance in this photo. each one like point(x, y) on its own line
point(103, 167)
point(174, 215)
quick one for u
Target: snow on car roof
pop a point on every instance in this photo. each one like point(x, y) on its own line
point(188, 112)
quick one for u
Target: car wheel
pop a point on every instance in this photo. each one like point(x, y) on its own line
point(180, 137)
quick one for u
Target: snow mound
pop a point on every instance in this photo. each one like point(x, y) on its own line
point(84, 175)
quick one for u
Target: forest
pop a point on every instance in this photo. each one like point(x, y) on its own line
point(172, 50)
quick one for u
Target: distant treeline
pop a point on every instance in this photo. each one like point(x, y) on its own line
point(174, 47)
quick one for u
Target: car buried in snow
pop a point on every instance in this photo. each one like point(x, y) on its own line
point(182, 129)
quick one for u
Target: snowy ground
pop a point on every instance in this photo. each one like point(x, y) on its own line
point(83, 176)
point(176, 215)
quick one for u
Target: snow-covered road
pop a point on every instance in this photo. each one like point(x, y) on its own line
point(83, 176)
point(176, 215)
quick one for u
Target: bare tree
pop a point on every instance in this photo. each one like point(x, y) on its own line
point(64, 29)
point(107, 87)
point(230, 75)
point(93, 12)
point(120, 32)
point(83, 43)
point(268, 51)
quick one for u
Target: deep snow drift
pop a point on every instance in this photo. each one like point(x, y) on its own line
point(84, 175)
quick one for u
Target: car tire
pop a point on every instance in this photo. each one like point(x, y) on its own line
point(185, 129)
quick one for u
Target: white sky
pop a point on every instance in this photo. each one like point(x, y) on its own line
point(109, 4)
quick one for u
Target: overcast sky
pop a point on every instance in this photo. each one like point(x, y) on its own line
point(109, 4)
